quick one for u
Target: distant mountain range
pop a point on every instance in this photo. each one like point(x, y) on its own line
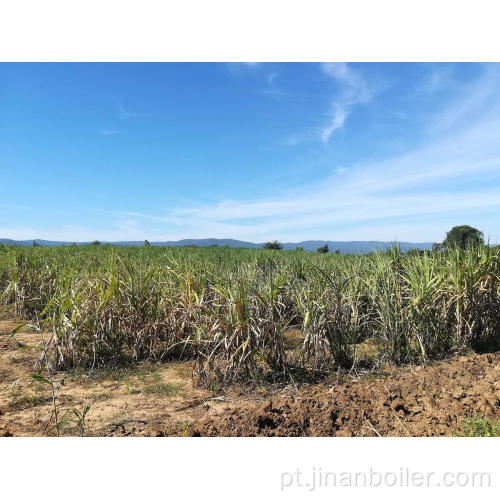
point(309, 245)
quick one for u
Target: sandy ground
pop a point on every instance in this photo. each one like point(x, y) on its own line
point(144, 400)
point(160, 400)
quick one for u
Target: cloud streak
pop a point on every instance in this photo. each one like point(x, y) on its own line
point(108, 131)
point(437, 80)
point(125, 114)
point(271, 90)
point(353, 89)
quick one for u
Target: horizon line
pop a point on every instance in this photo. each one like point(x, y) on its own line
point(219, 239)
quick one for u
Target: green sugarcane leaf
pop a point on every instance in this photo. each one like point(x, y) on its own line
point(41, 379)
point(16, 329)
point(24, 346)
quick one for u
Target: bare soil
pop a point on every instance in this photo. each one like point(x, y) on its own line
point(143, 400)
point(160, 400)
point(415, 401)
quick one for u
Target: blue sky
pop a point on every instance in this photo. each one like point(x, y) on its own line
point(253, 151)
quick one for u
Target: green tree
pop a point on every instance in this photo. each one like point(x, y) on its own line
point(437, 247)
point(273, 245)
point(35, 244)
point(323, 249)
point(463, 237)
point(96, 242)
point(416, 252)
point(146, 243)
point(299, 249)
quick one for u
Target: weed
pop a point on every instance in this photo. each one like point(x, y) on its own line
point(480, 427)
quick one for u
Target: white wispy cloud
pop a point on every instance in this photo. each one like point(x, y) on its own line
point(353, 89)
point(474, 102)
point(124, 114)
point(263, 72)
point(271, 77)
point(107, 131)
point(271, 90)
point(338, 115)
point(124, 229)
point(243, 68)
point(437, 79)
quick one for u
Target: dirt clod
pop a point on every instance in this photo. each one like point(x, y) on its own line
point(430, 401)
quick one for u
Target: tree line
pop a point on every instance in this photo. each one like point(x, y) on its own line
point(459, 236)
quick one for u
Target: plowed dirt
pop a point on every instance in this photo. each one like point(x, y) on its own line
point(160, 400)
point(417, 401)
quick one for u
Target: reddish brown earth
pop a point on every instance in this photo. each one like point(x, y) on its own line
point(416, 401)
point(161, 400)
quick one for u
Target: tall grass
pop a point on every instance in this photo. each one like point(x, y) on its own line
point(231, 309)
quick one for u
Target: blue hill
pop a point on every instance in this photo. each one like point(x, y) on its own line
point(344, 247)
